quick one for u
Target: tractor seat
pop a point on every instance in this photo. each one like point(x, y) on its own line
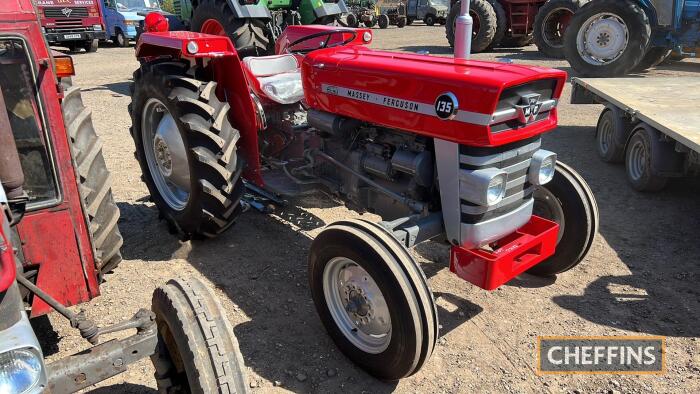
point(276, 77)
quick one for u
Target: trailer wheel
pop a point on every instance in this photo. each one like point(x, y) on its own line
point(607, 38)
point(611, 129)
point(501, 24)
point(249, 36)
point(351, 20)
point(653, 58)
point(186, 147)
point(197, 351)
point(91, 45)
point(568, 201)
point(485, 23)
point(551, 22)
point(638, 156)
point(94, 180)
point(372, 298)
point(383, 21)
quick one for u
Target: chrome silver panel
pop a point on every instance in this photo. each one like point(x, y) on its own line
point(505, 115)
point(479, 234)
point(479, 209)
point(21, 336)
point(447, 154)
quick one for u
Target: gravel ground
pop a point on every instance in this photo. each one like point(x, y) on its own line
point(640, 277)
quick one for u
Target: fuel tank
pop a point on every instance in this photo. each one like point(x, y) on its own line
point(469, 102)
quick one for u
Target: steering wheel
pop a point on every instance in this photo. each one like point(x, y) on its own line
point(323, 44)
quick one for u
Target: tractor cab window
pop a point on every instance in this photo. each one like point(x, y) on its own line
point(19, 94)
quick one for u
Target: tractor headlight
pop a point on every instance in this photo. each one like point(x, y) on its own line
point(542, 167)
point(20, 370)
point(97, 27)
point(486, 186)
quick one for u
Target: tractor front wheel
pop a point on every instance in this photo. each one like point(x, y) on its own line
point(94, 180)
point(186, 147)
point(551, 22)
point(249, 36)
point(197, 351)
point(372, 298)
point(401, 23)
point(383, 21)
point(485, 23)
point(568, 201)
point(351, 20)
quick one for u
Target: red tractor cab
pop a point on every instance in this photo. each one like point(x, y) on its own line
point(59, 239)
point(442, 149)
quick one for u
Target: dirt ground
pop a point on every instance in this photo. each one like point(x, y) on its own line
point(641, 276)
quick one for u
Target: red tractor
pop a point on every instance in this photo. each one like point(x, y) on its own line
point(516, 23)
point(59, 238)
point(442, 149)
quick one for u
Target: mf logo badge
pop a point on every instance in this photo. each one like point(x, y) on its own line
point(446, 106)
point(67, 11)
point(528, 108)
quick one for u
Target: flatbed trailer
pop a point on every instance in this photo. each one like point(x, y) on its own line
point(650, 124)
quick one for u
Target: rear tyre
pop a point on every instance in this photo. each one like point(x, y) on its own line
point(401, 23)
point(638, 161)
point(197, 351)
point(94, 180)
point(91, 45)
point(501, 24)
point(249, 36)
point(516, 42)
point(607, 38)
point(551, 22)
point(653, 58)
point(611, 130)
point(429, 20)
point(383, 21)
point(485, 23)
point(351, 20)
point(186, 147)
point(370, 23)
point(121, 39)
point(568, 201)
point(372, 298)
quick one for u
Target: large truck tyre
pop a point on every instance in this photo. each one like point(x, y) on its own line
point(372, 298)
point(485, 24)
point(197, 351)
point(607, 38)
point(94, 180)
point(249, 36)
point(186, 147)
point(551, 22)
point(568, 201)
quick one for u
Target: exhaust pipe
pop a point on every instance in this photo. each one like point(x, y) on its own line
point(463, 32)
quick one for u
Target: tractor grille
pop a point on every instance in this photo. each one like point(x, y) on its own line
point(514, 159)
point(511, 96)
point(66, 12)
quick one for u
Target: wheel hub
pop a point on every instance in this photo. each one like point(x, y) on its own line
point(162, 153)
point(602, 39)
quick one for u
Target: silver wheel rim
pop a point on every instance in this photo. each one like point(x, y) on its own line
point(605, 136)
point(120, 39)
point(357, 305)
point(636, 161)
point(602, 39)
point(548, 207)
point(166, 155)
point(552, 28)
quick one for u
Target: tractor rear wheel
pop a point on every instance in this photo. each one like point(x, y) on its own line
point(501, 24)
point(197, 351)
point(186, 147)
point(653, 58)
point(383, 21)
point(551, 22)
point(94, 180)
point(372, 298)
point(607, 38)
point(249, 36)
point(568, 201)
point(485, 22)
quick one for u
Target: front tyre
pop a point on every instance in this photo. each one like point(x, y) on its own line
point(197, 351)
point(568, 201)
point(607, 38)
point(372, 298)
point(383, 21)
point(186, 147)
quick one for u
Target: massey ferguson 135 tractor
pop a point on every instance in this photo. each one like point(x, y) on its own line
point(442, 149)
point(59, 238)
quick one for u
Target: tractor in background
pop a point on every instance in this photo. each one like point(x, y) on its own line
point(516, 23)
point(59, 240)
point(440, 148)
point(608, 38)
point(254, 25)
point(391, 13)
point(361, 12)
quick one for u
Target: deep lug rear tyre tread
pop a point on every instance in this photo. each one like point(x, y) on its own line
point(216, 186)
point(538, 29)
point(94, 180)
point(487, 29)
point(501, 24)
point(193, 327)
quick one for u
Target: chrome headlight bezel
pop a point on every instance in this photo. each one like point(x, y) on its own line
point(542, 167)
point(97, 27)
point(486, 186)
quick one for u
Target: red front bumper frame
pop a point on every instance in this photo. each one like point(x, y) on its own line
point(511, 256)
